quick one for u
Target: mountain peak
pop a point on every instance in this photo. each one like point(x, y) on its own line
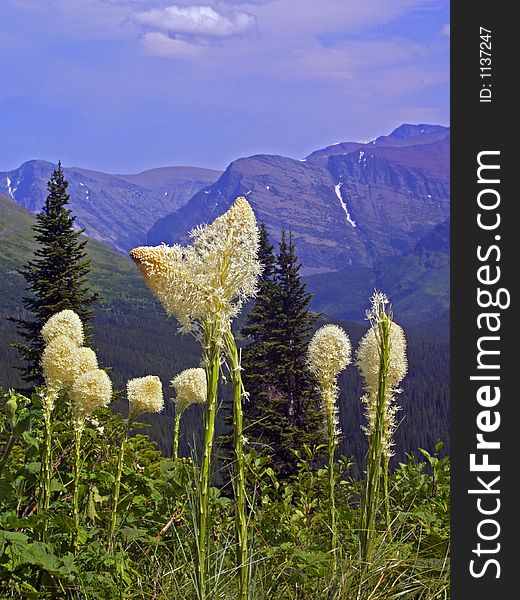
point(406, 134)
point(408, 130)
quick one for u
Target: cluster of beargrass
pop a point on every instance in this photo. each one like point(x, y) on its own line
point(141, 525)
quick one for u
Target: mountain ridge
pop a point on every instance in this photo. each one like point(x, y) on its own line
point(350, 208)
point(115, 209)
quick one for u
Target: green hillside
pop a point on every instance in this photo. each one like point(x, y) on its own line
point(133, 336)
point(417, 282)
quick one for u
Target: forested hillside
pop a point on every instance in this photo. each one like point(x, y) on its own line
point(134, 337)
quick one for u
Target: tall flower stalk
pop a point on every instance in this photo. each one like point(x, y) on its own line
point(48, 401)
point(117, 486)
point(79, 426)
point(92, 390)
point(144, 395)
point(204, 286)
point(212, 365)
point(238, 444)
point(381, 358)
point(329, 353)
point(176, 433)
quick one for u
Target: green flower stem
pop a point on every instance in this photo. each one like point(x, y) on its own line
point(117, 486)
point(375, 449)
point(46, 468)
point(79, 424)
point(212, 352)
point(176, 430)
point(328, 397)
point(238, 442)
point(386, 494)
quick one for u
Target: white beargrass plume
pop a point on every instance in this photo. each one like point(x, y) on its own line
point(67, 367)
point(191, 387)
point(328, 353)
point(204, 286)
point(208, 281)
point(65, 322)
point(381, 359)
point(145, 394)
point(60, 363)
point(91, 391)
point(368, 361)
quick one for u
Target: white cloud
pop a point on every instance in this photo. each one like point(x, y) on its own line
point(446, 30)
point(199, 21)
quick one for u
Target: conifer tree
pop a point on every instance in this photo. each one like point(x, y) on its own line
point(56, 278)
point(282, 413)
point(265, 419)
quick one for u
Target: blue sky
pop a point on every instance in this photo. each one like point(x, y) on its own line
point(126, 85)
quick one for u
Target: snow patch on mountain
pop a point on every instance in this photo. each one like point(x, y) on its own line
point(10, 189)
point(337, 189)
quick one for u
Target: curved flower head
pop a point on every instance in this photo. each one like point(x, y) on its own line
point(91, 391)
point(207, 281)
point(87, 360)
point(60, 362)
point(67, 323)
point(145, 395)
point(165, 271)
point(329, 352)
point(190, 388)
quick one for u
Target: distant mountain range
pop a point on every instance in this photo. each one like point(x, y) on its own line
point(117, 210)
point(363, 215)
point(348, 205)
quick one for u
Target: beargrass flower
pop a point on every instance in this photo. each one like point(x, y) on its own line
point(65, 322)
point(60, 363)
point(145, 394)
point(328, 353)
point(204, 286)
point(208, 281)
point(91, 391)
point(368, 360)
point(190, 388)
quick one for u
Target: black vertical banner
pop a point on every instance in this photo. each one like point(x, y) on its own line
point(485, 242)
